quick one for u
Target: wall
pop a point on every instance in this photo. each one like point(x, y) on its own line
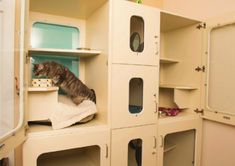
point(199, 9)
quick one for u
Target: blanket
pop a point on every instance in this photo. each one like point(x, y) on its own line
point(68, 114)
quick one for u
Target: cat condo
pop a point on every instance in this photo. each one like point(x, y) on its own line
point(50, 42)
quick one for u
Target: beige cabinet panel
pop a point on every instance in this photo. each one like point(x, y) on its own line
point(121, 139)
point(124, 25)
point(126, 95)
point(43, 140)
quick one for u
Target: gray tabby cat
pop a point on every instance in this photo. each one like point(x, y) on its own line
point(66, 80)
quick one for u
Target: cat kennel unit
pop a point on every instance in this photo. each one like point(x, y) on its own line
point(135, 106)
point(59, 33)
point(128, 122)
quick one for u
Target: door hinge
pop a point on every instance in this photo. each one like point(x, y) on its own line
point(199, 111)
point(202, 25)
point(203, 69)
point(27, 60)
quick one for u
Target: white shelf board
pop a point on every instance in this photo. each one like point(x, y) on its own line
point(184, 115)
point(92, 126)
point(40, 89)
point(62, 52)
point(169, 146)
point(168, 60)
point(169, 86)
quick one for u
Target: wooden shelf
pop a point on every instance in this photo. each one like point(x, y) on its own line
point(39, 89)
point(169, 86)
point(168, 61)
point(63, 52)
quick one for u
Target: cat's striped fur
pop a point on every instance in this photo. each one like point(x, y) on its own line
point(61, 76)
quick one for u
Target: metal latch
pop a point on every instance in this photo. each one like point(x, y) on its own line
point(202, 25)
point(203, 69)
point(199, 111)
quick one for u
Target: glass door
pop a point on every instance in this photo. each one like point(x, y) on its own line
point(11, 77)
point(221, 67)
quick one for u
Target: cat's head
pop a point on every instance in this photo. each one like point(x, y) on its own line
point(51, 70)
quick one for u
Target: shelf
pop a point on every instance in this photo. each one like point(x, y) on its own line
point(62, 52)
point(181, 117)
point(92, 126)
point(38, 89)
point(169, 86)
point(168, 61)
point(169, 146)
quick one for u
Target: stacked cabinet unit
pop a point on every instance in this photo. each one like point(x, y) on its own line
point(133, 83)
point(140, 61)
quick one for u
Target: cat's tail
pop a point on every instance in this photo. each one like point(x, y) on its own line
point(93, 96)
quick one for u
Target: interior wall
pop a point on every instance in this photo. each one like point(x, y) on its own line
point(199, 9)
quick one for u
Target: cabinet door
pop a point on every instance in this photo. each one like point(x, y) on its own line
point(219, 100)
point(125, 141)
point(11, 82)
point(135, 33)
point(134, 95)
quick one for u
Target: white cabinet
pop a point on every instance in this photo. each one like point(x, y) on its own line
point(86, 144)
point(143, 137)
point(135, 33)
point(134, 95)
point(141, 59)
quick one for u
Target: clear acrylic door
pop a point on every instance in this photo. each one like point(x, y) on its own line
point(11, 83)
point(221, 67)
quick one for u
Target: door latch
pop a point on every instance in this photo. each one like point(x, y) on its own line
point(199, 111)
point(203, 69)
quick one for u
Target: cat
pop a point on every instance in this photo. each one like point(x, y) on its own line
point(62, 77)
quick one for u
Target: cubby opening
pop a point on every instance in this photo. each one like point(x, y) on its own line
point(179, 148)
point(180, 54)
point(64, 33)
point(89, 156)
point(135, 152)
point(137, 34)
point(136, 86)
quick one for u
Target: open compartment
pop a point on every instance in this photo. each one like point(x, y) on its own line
point(86, 144)
point(131, 30)
point(89, 156)
point(134, 98)
point(58, 33)
point(179, 148)
point(133, 147)
point(180, 55)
